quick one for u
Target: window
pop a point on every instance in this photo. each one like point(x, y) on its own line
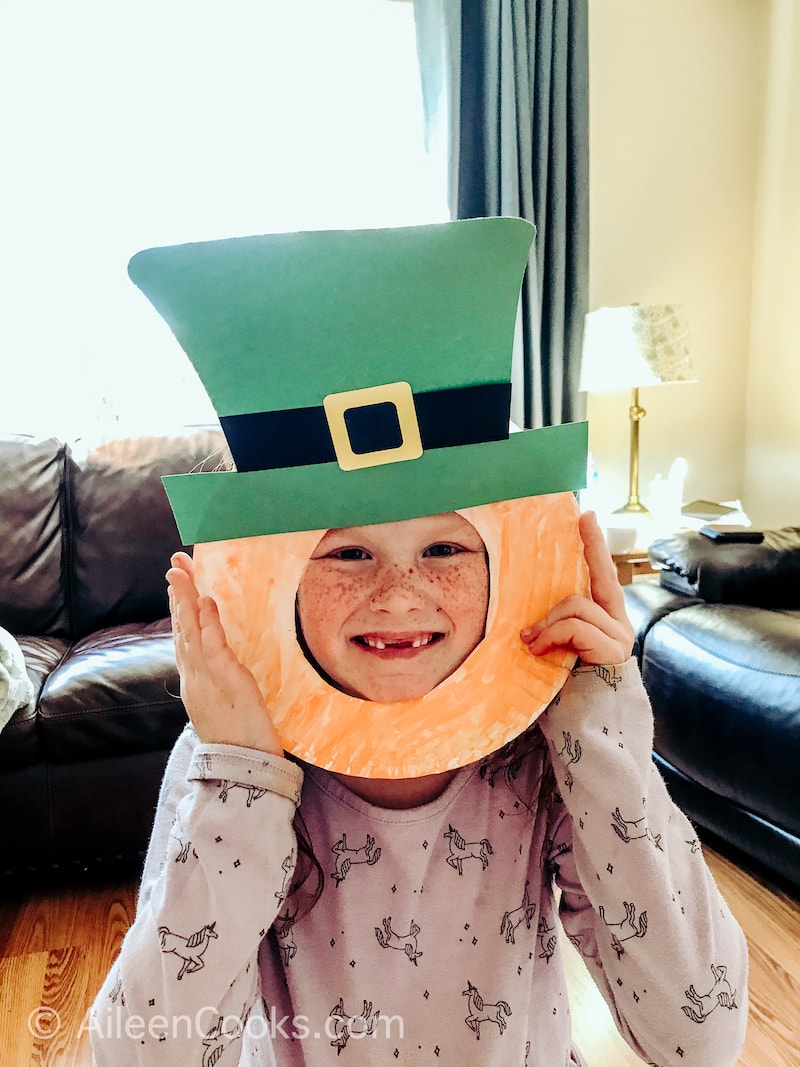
point(149, 122)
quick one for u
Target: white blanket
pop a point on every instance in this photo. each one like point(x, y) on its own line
point(16, 688)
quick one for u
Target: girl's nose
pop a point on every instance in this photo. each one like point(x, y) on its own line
point(397, 590)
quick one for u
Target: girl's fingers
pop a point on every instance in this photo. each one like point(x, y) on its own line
point(220, 695)
point(605, 588)
point(606, 591)
point(213, 642)
point(183, 561)
point(597, 627)
point(173, 611)
point(591, 644)
point(183, 601)
point(579, 609)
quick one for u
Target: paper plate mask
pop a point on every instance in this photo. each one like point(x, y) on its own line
point(363, 377)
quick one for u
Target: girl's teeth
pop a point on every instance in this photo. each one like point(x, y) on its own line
point(376, 642)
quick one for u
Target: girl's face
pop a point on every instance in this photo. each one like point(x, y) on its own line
point(389, 611)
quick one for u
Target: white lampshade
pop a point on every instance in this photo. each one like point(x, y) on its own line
point(627, 347)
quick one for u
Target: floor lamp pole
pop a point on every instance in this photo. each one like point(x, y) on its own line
point(634, 505)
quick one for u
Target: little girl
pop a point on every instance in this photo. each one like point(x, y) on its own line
point(293, 916)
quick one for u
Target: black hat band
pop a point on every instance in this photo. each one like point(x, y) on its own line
point(298, 437)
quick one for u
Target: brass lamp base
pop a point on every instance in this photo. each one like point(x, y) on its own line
point(634, 505)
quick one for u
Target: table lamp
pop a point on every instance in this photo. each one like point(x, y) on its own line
point(630, 347)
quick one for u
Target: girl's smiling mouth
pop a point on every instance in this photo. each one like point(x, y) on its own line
point(397, 643)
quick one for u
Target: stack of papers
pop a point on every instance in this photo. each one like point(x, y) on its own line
point(701, 513)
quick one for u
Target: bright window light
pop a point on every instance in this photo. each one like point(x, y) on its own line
point(135, 123)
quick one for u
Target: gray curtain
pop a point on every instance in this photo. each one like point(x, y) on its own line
point(505, 87)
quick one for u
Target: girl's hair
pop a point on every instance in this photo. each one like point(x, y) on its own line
point(505, 763)
point(221, 459)
point(308, 880)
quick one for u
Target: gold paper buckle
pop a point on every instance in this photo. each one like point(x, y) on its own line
point(397, 393)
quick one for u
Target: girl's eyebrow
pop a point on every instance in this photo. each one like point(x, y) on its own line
point(341, 530)
point(339, 540)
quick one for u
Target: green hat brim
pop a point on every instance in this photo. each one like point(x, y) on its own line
point(226, 505)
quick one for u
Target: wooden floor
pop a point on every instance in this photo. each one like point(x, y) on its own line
point(56, 947)
point(771, 922)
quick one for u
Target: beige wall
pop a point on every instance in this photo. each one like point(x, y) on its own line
point(772, 467)
point(677, 104)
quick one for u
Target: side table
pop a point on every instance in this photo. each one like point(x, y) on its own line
point(631, 564)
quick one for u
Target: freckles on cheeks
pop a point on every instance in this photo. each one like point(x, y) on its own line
point(463, 594)
point(319, 600)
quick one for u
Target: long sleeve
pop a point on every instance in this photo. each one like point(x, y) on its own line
point(638, 900)
point(218, 868)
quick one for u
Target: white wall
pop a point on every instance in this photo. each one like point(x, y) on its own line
point(772, 467)
point(676, 108)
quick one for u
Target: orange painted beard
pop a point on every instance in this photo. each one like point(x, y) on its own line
point(535, 559)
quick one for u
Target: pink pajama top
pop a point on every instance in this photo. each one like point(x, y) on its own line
point(437, 938)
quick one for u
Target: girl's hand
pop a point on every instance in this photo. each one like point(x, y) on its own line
point(597, 629)
point(219, 693)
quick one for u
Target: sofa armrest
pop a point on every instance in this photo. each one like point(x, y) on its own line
point(765, 575)
point(646, 603)
point(123, 531)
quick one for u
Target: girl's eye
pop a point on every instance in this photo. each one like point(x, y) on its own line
point(443, 550)
point(355, 554)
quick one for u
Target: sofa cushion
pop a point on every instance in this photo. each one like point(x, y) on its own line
point(766, 575)
point(32, 590)
point(116, 693)
point(646, 602)
point(724, 682)
point(123, 529)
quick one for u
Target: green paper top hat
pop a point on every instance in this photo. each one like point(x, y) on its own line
point(360, 376)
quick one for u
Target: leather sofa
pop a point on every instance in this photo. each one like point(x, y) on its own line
point(85, 540)
point(718, 637)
